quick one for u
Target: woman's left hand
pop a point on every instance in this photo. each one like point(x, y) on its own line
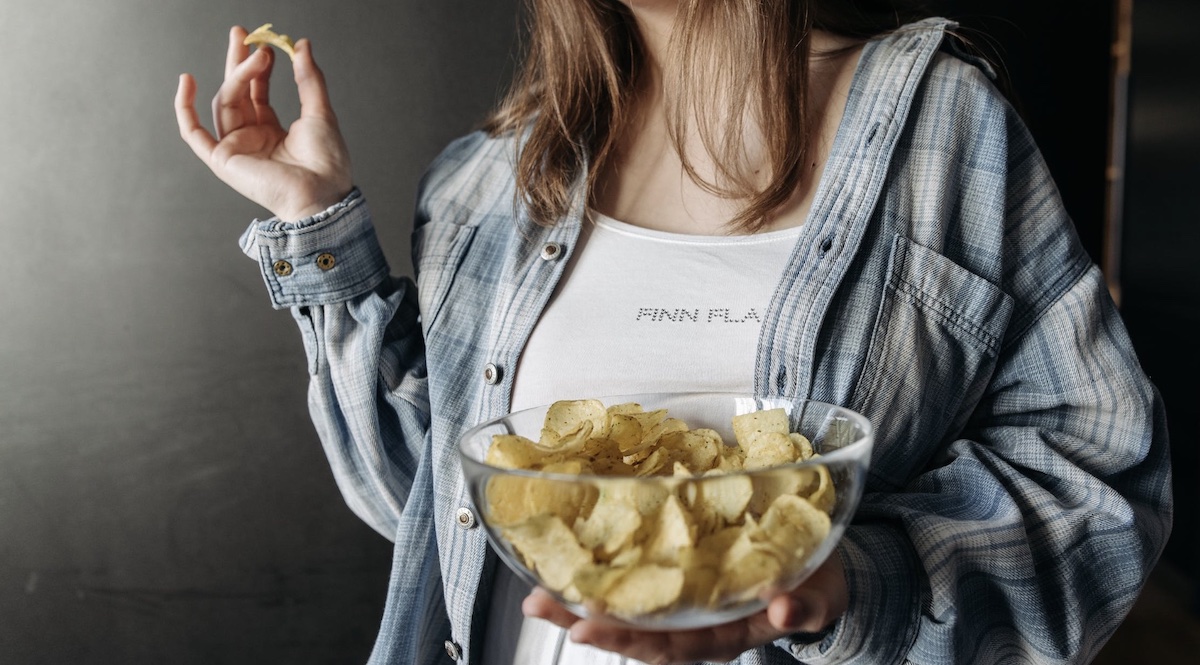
point(811, 607)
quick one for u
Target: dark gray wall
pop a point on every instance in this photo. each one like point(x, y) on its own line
point(163, 497)
point(1159, 270)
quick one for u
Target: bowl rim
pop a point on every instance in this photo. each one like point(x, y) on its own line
point(859, 449)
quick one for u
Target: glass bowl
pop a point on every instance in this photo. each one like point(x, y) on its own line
point(639, 540)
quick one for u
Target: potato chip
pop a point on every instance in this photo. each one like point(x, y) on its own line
point(793, 525)
point(513, 499)
point(562, 444)
point(643, 590)
point(702, 564)
point(823, 497)
point(770, 485)
point(803, 446)
point(510, 451)
point(727, 495)
point(658, 459)
point(700, 584)
point(652, 435)
point(697, 450)
point(624, 430)
point(506, 499)
point(712, 434)
point(732, 459)
point(748, 568)
point(264, 35)
point(567, 418)
point(551, 549)
point(747, 426)
point(650, 419)
point(593, 581)
point(767, 449)
point(610, 465)
point(611, 525)
point(564, 498)
point(672, 533)
point(647, 498)
point(628, 557)
point(625, 408)
point(651, 427)
point(711, 549)
point(704, 515)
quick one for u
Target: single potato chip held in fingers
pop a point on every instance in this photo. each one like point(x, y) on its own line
point(264, 35)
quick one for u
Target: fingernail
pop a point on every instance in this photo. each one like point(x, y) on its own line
point(577, 634)
point(530, 608)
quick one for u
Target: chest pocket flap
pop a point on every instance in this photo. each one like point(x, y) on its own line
point(934, 347)
point(438, 249)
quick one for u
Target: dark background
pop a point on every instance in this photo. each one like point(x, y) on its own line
point(163, 497)
point(1058, 58)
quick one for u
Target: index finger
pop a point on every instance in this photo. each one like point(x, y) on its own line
point(237, 51)
point(540, 604)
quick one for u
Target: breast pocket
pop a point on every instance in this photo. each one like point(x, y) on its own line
point(438, 251)
point(937, 336)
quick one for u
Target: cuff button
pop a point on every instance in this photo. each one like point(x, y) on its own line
point(325, 261)
point(282, 268)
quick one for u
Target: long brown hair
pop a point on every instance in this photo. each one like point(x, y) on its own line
point(574, 91)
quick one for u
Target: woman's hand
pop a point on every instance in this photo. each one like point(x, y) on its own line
point(293, 173)
point(810, 608)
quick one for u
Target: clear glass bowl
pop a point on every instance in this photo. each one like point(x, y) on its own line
point(722, 560)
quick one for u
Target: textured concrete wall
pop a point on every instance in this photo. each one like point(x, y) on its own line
point(163, 496)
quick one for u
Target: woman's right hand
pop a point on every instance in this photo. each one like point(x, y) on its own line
point(294, 173)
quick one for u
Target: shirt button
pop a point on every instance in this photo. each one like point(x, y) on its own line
point(282, 268)
point(325, 261)
point(491, 374)
point(453, 650)
point(551, 251)
point(466, 518)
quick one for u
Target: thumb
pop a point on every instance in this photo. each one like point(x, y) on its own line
point(799, 611)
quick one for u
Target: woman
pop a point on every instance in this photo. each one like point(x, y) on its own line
point(858, 186)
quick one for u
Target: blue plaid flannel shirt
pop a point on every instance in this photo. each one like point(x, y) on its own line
point(1020, 488)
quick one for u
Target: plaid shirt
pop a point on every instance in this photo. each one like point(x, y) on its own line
point(1020, 487)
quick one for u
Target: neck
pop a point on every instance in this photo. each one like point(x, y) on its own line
point(655, 20)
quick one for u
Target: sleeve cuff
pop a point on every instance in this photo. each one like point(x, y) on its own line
point(327, 258)
point(886, 589)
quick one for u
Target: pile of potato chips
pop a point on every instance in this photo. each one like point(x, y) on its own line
point(673, 524)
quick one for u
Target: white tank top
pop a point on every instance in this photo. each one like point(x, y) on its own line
point(637, 310)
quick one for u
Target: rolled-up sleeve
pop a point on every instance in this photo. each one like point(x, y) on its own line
point(326, 258)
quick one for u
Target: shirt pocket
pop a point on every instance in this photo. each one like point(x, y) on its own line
point(438, 251)
point(936, 340)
